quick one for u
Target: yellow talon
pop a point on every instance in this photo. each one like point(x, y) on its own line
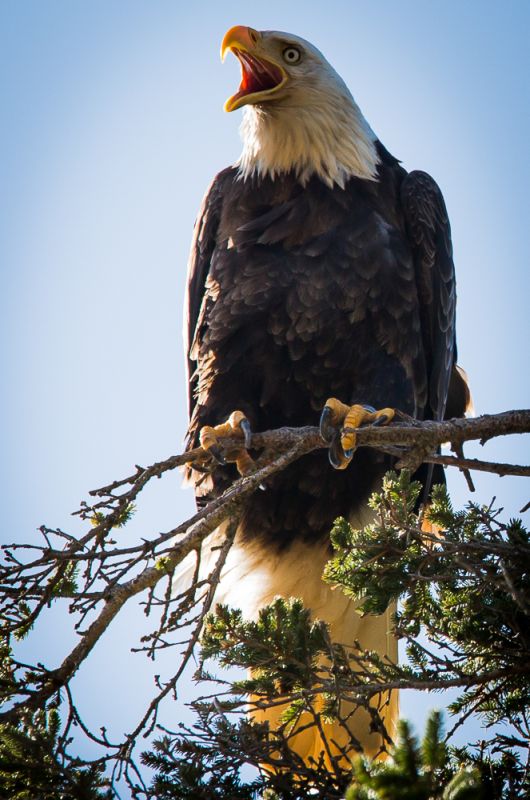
point(338, 425)
point(237, 425)
point(357, 416)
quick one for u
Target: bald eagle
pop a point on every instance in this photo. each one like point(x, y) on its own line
point(320, 277)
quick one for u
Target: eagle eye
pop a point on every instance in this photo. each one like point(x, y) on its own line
point(292, 55)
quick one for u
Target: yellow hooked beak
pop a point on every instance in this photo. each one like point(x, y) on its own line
point(261, 77)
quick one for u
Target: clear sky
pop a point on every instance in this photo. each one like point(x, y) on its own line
point(112, 128)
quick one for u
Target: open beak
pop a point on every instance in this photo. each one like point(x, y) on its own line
point(260, 77)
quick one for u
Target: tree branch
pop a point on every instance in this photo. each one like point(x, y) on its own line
point(115, 596)
point(415, 440)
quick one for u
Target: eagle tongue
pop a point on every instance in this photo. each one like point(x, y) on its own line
point(257, 75)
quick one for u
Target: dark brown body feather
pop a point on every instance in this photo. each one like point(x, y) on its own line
point(297, 294)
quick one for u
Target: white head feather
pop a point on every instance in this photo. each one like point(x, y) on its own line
point(311, 126)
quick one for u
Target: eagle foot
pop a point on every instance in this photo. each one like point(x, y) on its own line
point(338, 423)
point(236, 426)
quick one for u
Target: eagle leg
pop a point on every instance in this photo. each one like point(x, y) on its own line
point(236, 426)
point(338, 424)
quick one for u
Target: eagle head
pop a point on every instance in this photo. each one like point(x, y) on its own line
point(299, 114)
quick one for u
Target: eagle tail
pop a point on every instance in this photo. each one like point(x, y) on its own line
point(252, 577)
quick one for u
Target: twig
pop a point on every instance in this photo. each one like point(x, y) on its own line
point(481, 466)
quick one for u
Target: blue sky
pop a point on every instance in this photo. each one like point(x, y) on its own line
point(113, 128)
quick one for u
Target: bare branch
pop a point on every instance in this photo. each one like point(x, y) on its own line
point(115, 597)
point(479, 465)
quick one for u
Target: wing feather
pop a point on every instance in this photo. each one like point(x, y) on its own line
point(202, 248)
point(429, 234)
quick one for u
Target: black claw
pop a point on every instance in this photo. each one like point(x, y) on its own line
point(380, 421)
point(217, 453)
point(327, 431)
point(335, 452)
point(247, 431)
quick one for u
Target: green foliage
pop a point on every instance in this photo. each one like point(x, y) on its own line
point(35, 766)
point(374, 563)
point(8, 684)
point(121, 518)
point(188, 770)
point(466, 588)
point(25, 623)
point(504, 777)
point(281, 648)
point(66, 586)
point(206, 763)
point(435, 771)
point(414, 772)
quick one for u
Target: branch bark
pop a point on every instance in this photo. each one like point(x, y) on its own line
point(406, 437)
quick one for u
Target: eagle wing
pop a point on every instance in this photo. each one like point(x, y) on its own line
point(429, 234)
point(202, 248)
